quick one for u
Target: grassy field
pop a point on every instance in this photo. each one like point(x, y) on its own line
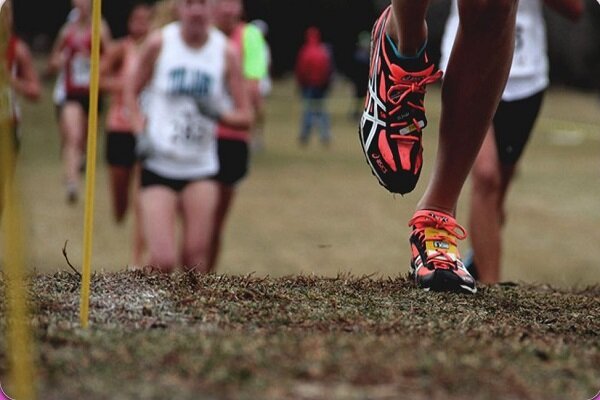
point(313, 303)
point(308, 338)
point(320, 211)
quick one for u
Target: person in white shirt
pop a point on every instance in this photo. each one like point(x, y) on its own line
point(186, 70)
point(510, 130)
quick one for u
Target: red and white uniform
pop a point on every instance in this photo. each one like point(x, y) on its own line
point(78, 46)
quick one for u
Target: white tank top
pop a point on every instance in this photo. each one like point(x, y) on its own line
point(529, 69)
point(183, 140)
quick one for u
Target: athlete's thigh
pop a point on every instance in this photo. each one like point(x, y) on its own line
point(72, 120)
point(198, 203)
point(158, 205)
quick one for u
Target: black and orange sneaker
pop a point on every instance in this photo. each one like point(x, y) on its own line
point(394, 114)
point(436, 264)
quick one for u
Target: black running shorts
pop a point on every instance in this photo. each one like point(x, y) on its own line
point(82, 99)
point(513, 123)
point(149, 178)
point(233, 161)
point(120, 149)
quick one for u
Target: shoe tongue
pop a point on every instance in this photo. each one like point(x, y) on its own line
point(441, 243)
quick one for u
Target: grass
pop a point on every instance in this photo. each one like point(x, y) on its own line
point(307, 337)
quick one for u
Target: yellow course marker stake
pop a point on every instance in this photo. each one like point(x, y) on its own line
point(90, 177)
point(18, 335)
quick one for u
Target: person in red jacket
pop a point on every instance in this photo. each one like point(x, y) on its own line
point(314, 70)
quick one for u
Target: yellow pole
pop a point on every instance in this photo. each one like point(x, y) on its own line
point(90, 177)
point(19, 335)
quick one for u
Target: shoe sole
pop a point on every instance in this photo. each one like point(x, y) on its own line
point(442, 281)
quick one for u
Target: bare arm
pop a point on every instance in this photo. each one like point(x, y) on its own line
point(241, 116)
point(571, 9)
point(139, 76)
point(112, 61)
point(26, 82)
point(55, 61)
point(106, 40)
point(256, 99)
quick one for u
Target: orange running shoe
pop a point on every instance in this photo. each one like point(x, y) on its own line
point(436, 264)
point(394, 114)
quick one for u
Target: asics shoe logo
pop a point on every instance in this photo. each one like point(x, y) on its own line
point(379, 163)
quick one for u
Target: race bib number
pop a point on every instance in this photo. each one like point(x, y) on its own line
point(80, 71)
point(190, 131)
point(179, 131)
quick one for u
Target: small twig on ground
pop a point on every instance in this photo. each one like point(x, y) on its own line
point(192, 276)
point(64, 251)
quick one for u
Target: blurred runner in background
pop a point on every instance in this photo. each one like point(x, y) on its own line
point(71, 54)
point(120, 138)
point(233, 144)
point(193, 83)
point(24, 82)
point(510, 130)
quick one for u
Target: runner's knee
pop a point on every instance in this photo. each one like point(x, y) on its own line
point(486, 179)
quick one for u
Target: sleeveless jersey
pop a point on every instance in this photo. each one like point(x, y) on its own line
point(117, 118)
point(78, 46)
point(183, 140)
point(529, 69)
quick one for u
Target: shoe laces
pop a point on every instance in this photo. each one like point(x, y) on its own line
point(439, 258)
point(405, 89)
